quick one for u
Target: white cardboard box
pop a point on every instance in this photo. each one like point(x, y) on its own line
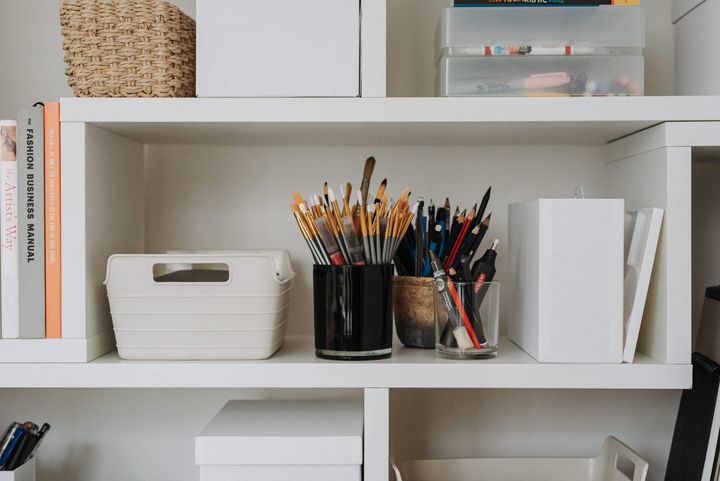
point(278, 48)
point(281, 473)
point(282, 440)
point(566, 257)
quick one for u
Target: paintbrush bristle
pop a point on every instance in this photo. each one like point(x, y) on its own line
point(381, 191)
point(369, 167)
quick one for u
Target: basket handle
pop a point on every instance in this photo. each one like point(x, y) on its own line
point(142, 267)
point(396, 470)
point(617, 451)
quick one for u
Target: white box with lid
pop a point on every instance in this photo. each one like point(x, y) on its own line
point(282, 441)
point(279, 48)
point(566, 258)
point(511, 51)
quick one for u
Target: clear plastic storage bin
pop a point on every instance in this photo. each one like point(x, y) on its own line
point(541, 51)
point(231, 305)
point(541, 76)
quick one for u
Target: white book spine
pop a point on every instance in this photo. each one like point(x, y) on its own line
point(9, 282)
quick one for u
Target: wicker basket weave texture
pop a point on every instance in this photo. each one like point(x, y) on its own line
point(128, 48)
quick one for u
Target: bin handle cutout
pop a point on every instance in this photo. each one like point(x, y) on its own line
point(191, 273)
point(627, 462)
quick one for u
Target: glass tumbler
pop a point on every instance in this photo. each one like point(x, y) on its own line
point(467, 318)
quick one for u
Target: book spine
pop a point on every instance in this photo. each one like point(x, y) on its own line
point(9, 227)
point(53, 278)
point(545, 3)
point(32, 223)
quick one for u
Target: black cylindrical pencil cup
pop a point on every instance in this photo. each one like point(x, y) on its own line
point(353, 312)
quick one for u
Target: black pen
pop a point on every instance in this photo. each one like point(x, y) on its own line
point(430, 228)
point(419, 244)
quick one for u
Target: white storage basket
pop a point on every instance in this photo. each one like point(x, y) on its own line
point(242, 317)
point(607, 466)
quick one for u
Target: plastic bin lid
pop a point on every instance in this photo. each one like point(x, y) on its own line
point(594, 26)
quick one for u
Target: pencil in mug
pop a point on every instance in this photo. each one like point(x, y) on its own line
point(443, 285)
point(461, 236)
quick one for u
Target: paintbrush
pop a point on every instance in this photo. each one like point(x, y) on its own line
point(308, 227)
point(312, 229)
point(328, 240)
point(301, 224)
point(364, 228)
point(357, 258)
point(380, 192)
point(367, 175)
point(372, 224)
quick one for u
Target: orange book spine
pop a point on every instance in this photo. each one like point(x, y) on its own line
point(53, 275)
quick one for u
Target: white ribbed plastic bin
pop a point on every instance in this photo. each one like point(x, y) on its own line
point(242, 313)
point(616, 462)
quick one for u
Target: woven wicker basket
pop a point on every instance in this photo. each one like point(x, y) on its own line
point(128, 48)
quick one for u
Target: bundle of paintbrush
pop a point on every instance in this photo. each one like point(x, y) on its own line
point(352, 232)
point(453, 238)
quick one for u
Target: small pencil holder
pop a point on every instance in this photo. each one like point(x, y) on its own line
point(467, 318)
point(353, 312)
point(26, 472)
point(414, 311)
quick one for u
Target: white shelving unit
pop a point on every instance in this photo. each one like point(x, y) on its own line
point(116, 198)
point(146, 175)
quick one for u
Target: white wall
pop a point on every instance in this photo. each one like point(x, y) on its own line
point(191, 188)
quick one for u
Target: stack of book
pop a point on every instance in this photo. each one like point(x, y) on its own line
point(30, 279)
